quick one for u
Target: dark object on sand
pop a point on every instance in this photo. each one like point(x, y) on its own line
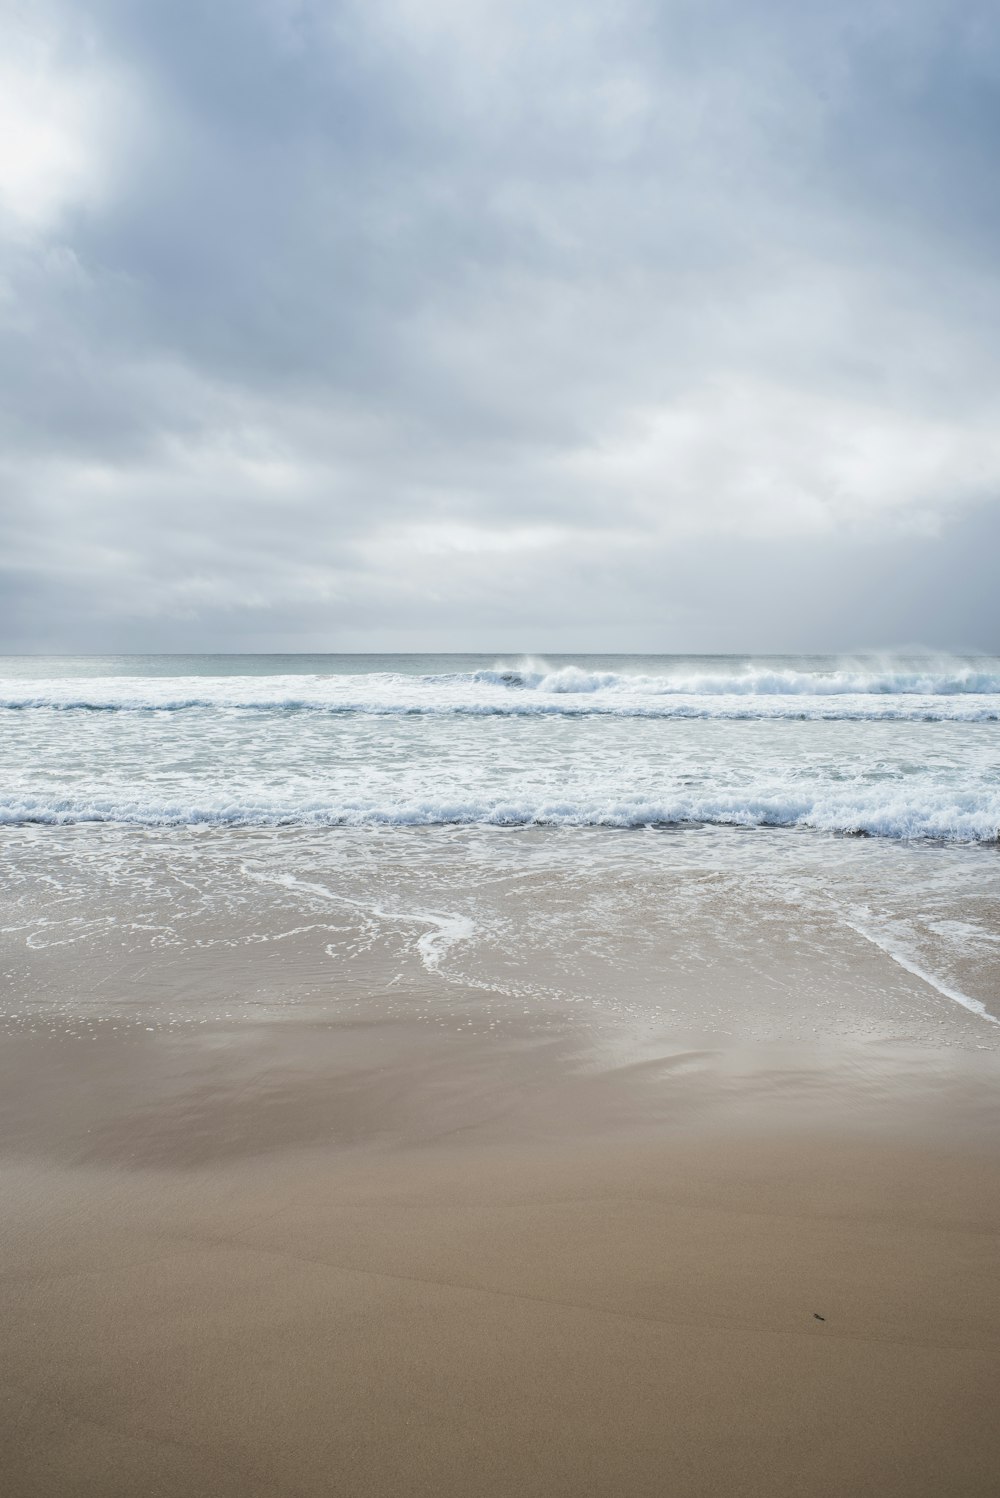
point(818, 1317)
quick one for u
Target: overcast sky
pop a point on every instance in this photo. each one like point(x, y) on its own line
point(481, 324)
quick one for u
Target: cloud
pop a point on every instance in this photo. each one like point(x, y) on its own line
point(454, 324)
point(51, 144)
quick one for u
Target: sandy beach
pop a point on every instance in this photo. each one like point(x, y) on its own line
point(499, 749)
point(359, 1255)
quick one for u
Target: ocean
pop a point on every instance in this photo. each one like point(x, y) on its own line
point(765, 847)
point(897, 749)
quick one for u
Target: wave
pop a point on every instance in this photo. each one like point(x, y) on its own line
point(953, 695)
point(919, 711)
point(942, 815)
point(943, 680)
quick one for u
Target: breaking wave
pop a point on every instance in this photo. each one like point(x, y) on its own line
point(942, 814)
point(952, 691)
point(754, 680)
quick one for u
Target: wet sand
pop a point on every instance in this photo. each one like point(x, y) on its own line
point(371, 1167)
point(364, 1259)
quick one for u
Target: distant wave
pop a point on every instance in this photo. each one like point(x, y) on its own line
point(945, 815)
point(916, 711)
point(951, 691)
point(919, 712)
point(944, 680)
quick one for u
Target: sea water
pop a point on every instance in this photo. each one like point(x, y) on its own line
point(499, 818)
point(900, 749)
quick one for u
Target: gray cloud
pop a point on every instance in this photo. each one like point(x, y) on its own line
point(648, 326)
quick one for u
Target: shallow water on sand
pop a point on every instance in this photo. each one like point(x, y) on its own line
point(763, 934)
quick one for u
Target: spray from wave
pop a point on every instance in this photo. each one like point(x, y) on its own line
point(942, 678)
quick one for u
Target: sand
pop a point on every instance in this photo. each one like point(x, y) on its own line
point(363, 1259)
point(401, 1166)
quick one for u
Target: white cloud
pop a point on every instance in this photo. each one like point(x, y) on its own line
point(745, 458)
point(55, 122)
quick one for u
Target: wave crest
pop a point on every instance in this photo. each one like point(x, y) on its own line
point(942, 815)
point(957, 690)
point(949, 678)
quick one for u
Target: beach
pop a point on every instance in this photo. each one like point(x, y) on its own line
point(492, 1162)
point(431, 1075)
point(610, 1315)
point(499, 750)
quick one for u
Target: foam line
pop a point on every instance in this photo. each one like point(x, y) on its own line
point(969, 818)
point(955, 995)
point(447, 930)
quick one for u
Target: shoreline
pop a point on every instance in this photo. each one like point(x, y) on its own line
point(472, 1168)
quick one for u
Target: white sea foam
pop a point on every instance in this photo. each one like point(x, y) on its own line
point(446, 929)
point(949, 815)
point(891, 950)
point(945, 692)
point(943, 678)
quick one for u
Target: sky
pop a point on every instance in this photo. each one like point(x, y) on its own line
point(481, 324)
